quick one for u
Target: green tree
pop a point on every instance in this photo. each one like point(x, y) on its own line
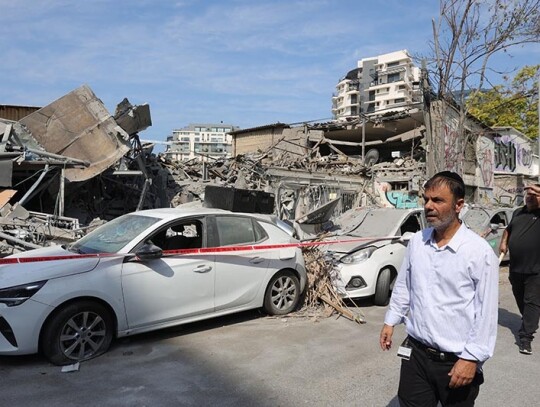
point(512, 104)
point(466, 35)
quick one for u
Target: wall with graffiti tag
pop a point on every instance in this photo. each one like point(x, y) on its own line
point(513, 154)
point(453, 146)
point(400, 199)
point(485, 167)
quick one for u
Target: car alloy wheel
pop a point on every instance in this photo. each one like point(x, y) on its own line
point(78, 332)
point(282, 294)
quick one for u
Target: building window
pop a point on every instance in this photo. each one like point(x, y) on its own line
point(399, 100)
point(390, 64)
point(393, 77)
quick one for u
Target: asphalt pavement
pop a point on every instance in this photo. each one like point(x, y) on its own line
point(252, 360)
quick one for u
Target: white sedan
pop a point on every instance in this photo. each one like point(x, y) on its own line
point(123, 279)
point(371, 248)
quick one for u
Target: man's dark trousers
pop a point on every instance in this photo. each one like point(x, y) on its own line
point(526, 289)
point(423, 382)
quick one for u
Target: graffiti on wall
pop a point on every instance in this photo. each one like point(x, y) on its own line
point(453, 151)
point(395, 199)
point(402, 199)
point(484, 156)
point(512, 155)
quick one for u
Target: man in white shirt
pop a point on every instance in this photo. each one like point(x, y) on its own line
point(446, 293)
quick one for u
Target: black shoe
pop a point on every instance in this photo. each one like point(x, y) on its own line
point(525, 347)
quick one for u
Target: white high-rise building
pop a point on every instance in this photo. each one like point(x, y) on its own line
point(381, 84)
point(204, 142)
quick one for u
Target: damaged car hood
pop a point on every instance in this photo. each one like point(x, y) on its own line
point(22, 273)
point(348, 244)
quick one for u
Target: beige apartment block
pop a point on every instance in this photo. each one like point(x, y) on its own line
point(204, 142)
point(378, 85)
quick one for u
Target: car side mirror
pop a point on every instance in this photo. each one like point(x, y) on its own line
point(405, 237)
point(149, 251)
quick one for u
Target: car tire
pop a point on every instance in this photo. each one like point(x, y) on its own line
point(282, 294)
point(79, 331)
point(382, 289)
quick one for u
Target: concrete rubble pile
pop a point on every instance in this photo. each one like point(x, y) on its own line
point(71, 165)
point(60, 166)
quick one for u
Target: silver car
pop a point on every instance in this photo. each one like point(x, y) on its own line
point(141, 272)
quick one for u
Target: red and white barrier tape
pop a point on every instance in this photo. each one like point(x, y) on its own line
point(204, 250)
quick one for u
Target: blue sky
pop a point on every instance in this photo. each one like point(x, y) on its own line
point(243, 62)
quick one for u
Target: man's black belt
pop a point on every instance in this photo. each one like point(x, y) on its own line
point(432, 353)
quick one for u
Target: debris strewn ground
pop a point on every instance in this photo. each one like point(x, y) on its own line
point(321, 297)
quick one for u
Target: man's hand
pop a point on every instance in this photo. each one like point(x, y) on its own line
point(503, 245)
point(385, 340)
point(462, 373)
point(533, 189)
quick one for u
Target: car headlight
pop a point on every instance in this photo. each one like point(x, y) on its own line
point(13, 296)
point(358, 256)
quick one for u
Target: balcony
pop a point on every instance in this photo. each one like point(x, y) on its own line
point(393, 69)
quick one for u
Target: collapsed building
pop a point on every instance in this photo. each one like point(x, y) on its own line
point(71, 165)
point(60, 164)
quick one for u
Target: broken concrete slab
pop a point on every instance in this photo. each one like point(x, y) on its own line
point(78, 126)
point(132, 119)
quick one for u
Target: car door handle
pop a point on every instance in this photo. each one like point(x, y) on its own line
point(202, 269)
point(256, 260)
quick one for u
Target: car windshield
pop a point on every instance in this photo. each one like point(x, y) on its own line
point(114, 235)
point(370, 222)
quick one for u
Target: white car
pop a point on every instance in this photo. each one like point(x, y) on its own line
point(122, 281)
point(372, 244)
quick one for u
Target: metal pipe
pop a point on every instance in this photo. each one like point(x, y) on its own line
point(29, 193)
point(363, 141)
point(61, 195)
point(58, 156)
point(19, 241)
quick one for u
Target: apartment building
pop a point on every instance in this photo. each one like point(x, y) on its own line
point(204, 142)
point(381, 84)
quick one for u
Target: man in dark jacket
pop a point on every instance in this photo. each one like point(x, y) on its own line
point(521, 238)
